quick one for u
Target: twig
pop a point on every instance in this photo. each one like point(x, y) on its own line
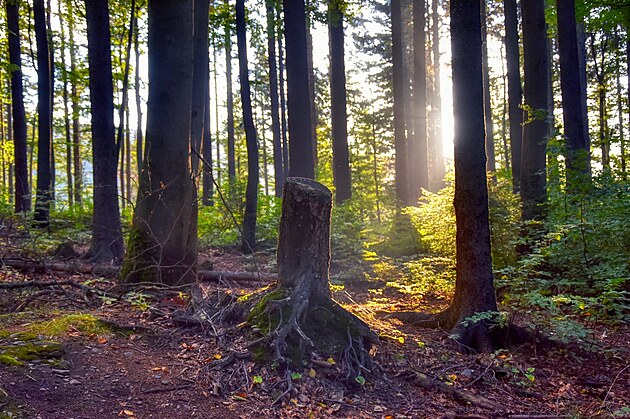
point(167, 389)
point(613, 383)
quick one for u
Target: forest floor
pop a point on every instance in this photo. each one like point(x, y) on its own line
point(57, 362)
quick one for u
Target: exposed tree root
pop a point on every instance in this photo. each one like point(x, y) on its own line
point(458, 394)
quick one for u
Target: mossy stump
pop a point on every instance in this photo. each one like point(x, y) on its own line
point(299, 315)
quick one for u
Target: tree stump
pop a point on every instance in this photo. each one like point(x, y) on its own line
point(298, 315)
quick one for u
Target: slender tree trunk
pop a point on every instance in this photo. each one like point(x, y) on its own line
point(121, 167)
point(125, 97)
point(22, 189)
point(576, 138)
point(230, 105)
point(418, 146)
point(283, 110)
point(216, 112)
point(311, 84)
point(535, 46)
point(75, 99)
point(581, 40)
point(504, 112)
point(273, 95)
point(208, 187)
point(341, 159)
point(162, 244)
point(139, 137)
point(435, 145)
point(490, 158)
point(377, 192)
point(601, 76)
point(51, 60)
point(66, 108)
point(400, 140)
point(107, 244)
point(128, 155)
point(43, 200)
point(251, 194)
point(515, 92)
point(200, 80)
point(302, 161)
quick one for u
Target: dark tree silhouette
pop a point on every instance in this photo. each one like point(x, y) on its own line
point(22, 189)
point(200, 79)
point(515, 91)
point(107, 243)
point(400, 139)
point(44, 193)
point(575, 123)
point(536, 58)
point(299, 101)
point(419, 161)
point(251, 193)
point(490, 161)
point(231, 163)
point(162, 244)
point(338, 114)
point(278, 160)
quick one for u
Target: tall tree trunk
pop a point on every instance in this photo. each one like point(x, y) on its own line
point(230, 104)
point(107, 244)
point(200, 80)
point(125, 93)
point(504, 114)
point(121, 167)
point(22, 189)
point(575, 128)
point(139, 137)
point(601, 77)
point(283, 109)
point(400, 140)
point(216, 112)
point(75, 99)
point(535, 47)
point(487, 106)
point(66, 108)
point(51, 60)
point(128, 155)
point(302, 160)
point(311, 83)
point(515, 91)
point(278, 169)
point(438, 168)
point(162, 244)
point(43, 199)
point(418, 146)
point(581, 40)
point(338, 113)
point(208, 187)
point(251, 194)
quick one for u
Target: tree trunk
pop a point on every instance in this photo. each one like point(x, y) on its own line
point(311, 83)
point(230, 105)
point(400, 140)
point(487, 107)
point(601, 76)
point(66, 108)
point(75, 99)
point(251, 193)
point(22, 189)
point(575, 133)
point(283, 110)
point(43, 199)
point(504, 114)
point(51, 60)
point(139, 138)
point(299, 313)
point(200, 80)
point(338, 113)
point(515, 92)
point(216, 112)
point(107, 244)
point(125, 92)
point(533, 171)
point(302, 160)
point(162, 244)
point(419, 161)
point(208, 187)
point(278, 169)
point(437, 169)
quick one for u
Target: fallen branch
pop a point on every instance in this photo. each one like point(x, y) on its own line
point(461, 395)
point(167, 389)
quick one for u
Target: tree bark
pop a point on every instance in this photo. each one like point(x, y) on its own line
point(283, 109)
point(278, 162)
point(66, 108)
point(75, 99)
point(515, 92)
point(208, 186)
point(400, 140)
point(139, 137)
point(44, 194)
point(107, 244)
point(338, 112)
point(302, 160)
point(230, 104)
point(200, 80)
point(575, 127)
point(22, 189)
point(299, 314)
point(162, 244)
point(437, 169)
point(533, 171)
point(125, 90)
point(419, 162)
point(251, 193)
point(487, 106)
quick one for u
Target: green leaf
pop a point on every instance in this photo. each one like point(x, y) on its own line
point(360, 379)
point(296, 375)
point(257, 379)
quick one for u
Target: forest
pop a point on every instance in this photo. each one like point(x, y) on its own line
point(347, 208)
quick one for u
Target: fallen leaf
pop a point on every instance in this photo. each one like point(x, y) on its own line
point(312, 373)
point(102, 340)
